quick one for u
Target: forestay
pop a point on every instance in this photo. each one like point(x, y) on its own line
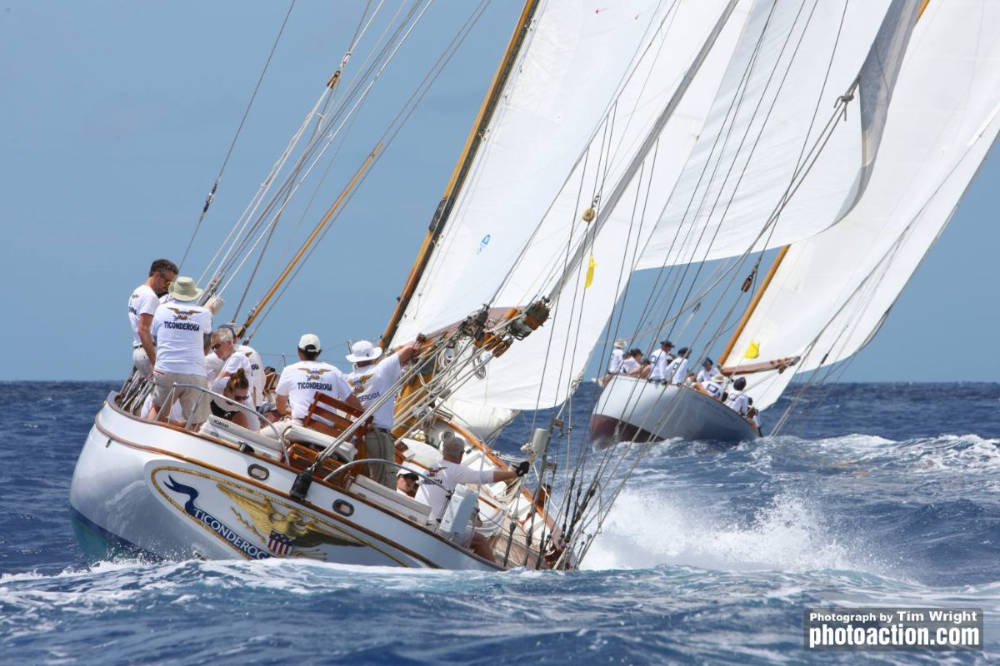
point(831, 292)
point(769, 132)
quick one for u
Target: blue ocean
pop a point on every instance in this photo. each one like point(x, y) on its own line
point(876, 495)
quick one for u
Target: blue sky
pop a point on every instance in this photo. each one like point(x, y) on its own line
point(116, 117)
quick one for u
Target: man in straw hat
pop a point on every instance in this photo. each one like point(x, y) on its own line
point(372, 378)
point(182, 330)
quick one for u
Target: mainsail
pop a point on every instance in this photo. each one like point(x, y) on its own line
point(831, 292)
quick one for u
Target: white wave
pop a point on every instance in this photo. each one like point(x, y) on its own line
point(647, 529)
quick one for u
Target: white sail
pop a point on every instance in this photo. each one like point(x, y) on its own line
point(792, 64)
point(574, 60)
point(831, 292)
point(522, 378)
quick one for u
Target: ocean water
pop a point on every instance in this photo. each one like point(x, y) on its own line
point(882, 495)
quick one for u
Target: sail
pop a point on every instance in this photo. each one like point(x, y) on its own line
point(831, 292)
point(657, 63)
point(573, 61)
point(774, 163)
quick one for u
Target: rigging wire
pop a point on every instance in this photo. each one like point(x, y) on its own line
point(239, 130)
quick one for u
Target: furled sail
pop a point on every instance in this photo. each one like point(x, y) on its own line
point(775, 163)
point(831, 292)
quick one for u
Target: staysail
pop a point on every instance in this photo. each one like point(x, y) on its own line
point(831, 292)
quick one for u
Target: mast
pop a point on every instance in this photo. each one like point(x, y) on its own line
point(774, 268)
point(469, 150)
point(647, 145)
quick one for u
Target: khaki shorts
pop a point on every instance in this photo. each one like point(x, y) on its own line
point(194, 403)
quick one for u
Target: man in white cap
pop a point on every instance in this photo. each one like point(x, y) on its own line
point(300, 382)
point(182, 330)
point(446, 475)
point(406, 480)
point(370, 380)
point(142, 305)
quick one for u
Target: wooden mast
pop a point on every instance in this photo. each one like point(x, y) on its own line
point(461, 170)
point(774, 268)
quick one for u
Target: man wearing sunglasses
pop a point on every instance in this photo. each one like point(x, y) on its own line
point(142, 305)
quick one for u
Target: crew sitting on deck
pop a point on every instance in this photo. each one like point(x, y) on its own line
point(450, 472)
point(715, 387)
point(300, 382)
point(739, 401)
point(182, 330)
point(708, 370)
point(142, 305)
point(632, 365)
point(661, 358)
point(371, 379)
point(222, 363)
point(236, 387)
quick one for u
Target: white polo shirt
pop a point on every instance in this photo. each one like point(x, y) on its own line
point(372, 381)
point(257, 370)
point(628, 365)
point(705, 376)
point(300, 382)
point(714, 390)
point(142, 301)
point(661, 360)
point(180, 329)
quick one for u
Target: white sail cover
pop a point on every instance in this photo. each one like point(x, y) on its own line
point(791, 65)
point(831, 292)
point(525, 193)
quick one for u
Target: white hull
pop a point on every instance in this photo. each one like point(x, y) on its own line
point(166, 492)
point(633, 409)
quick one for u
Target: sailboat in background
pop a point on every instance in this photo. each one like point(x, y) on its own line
point(826, 296)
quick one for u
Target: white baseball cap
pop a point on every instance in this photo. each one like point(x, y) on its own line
point(309, 342)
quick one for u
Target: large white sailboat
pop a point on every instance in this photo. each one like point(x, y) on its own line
point(595, 135)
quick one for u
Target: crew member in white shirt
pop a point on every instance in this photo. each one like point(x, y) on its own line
point(255, 372)
point(715, 387)
point(661, 358)
point(677, 370)
point(371, 379)
point(142, 305)
point(739, 401)
point(182, 331)
point(708, 370)
point(300, 382)
point(632, 365)
point(446, 475)
point(617, 356)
